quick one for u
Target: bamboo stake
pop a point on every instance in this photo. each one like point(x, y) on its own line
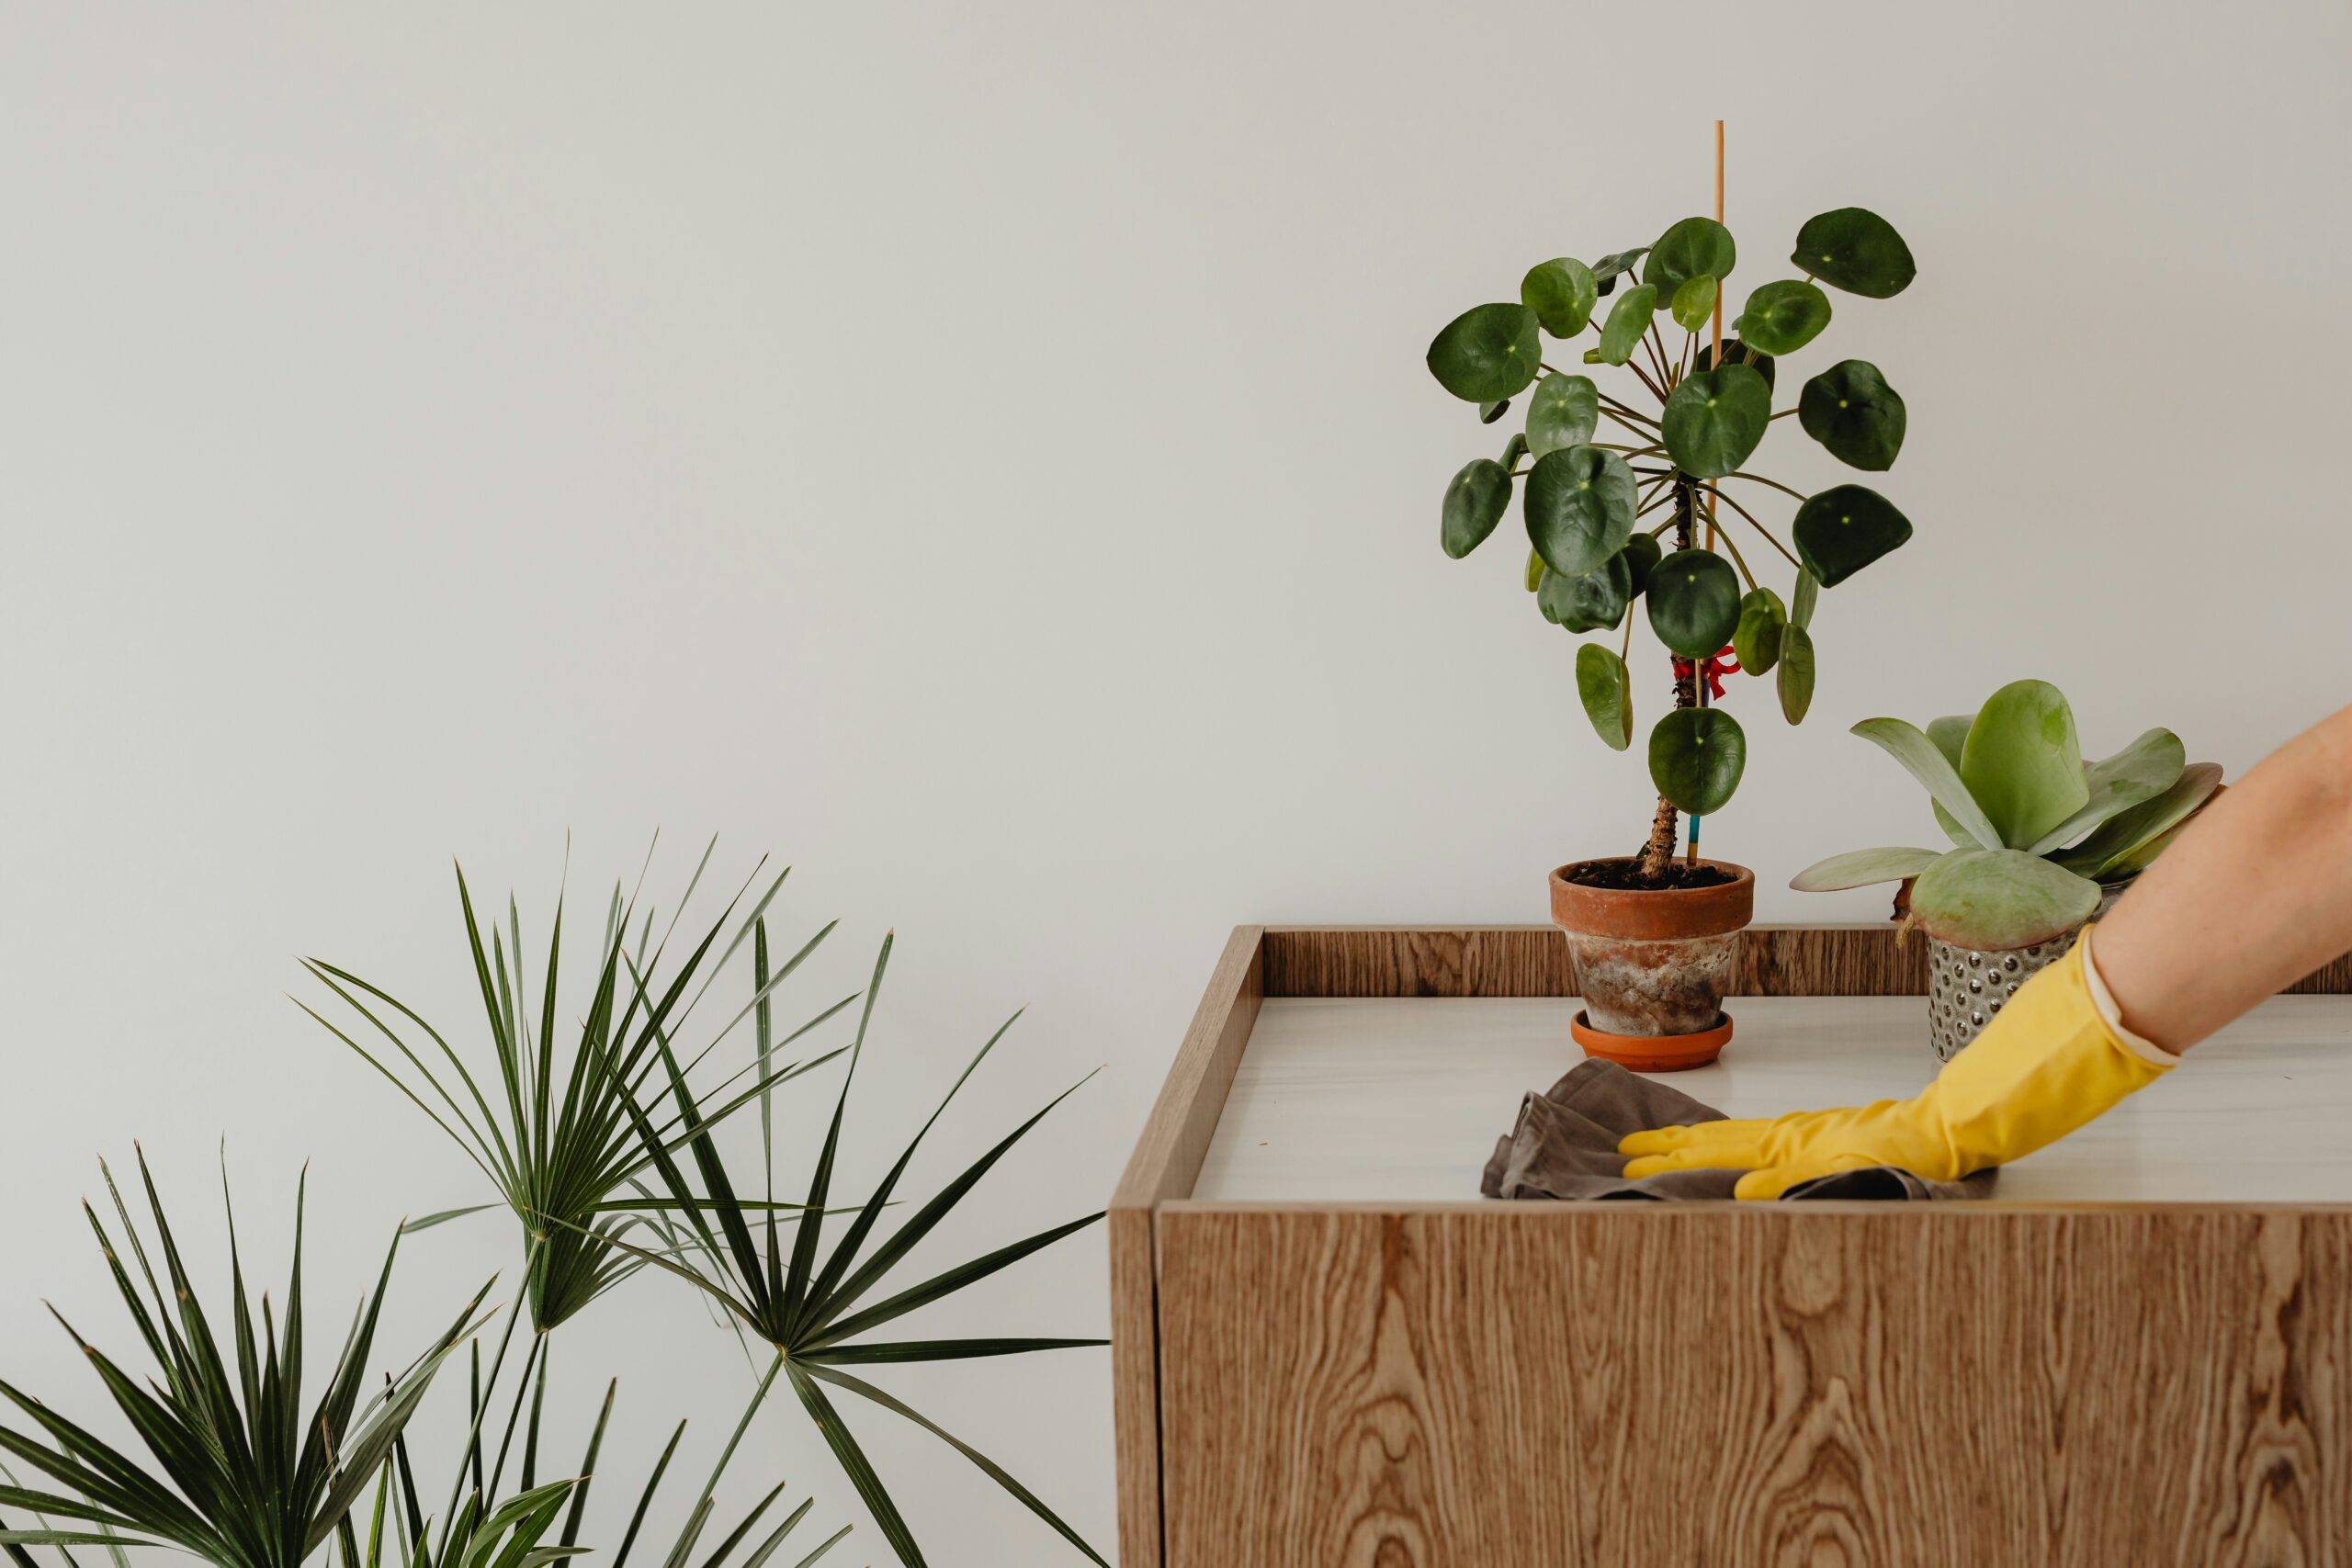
point(1698, 666)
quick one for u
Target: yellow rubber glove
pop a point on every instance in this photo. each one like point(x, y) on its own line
point(2046, 1064)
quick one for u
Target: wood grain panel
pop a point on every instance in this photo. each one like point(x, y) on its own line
point(1532, 961)
point(1167, 1157)
point(2332, 979)
point(1866, 960)
point(1538, 1386)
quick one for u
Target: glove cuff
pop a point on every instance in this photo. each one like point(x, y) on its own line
point(2103, 1002)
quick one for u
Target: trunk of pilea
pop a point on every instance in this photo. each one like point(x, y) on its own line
point(1660, 853)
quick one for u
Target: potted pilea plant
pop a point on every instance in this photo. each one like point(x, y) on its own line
point(2043, 842)
point(1654, 938)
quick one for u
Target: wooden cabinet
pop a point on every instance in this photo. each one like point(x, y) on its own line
point(1329, 1351)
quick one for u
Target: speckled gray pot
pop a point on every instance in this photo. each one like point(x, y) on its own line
point(1967, 986)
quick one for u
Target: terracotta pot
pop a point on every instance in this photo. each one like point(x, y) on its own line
point(1653, 966)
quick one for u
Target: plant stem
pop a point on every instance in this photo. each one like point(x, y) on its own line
point(1659, 851)
point(1737, 559)
point(1759, 479)
point(757, 1395)
point(1626, 408)
point(457, 1487)
point(1762, 530)
point(1647, 431)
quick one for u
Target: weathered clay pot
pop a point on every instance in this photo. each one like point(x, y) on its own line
point(1652, 965)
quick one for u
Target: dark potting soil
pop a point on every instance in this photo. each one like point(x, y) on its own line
point(1625, 876)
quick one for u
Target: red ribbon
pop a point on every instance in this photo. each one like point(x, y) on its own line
point(1718, 665)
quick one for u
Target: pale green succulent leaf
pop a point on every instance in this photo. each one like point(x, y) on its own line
point(2142, 770)
point(2000, 899)
point(1908, 745)
point(1861, 868)
point(2022, 763)
point(2126, 842)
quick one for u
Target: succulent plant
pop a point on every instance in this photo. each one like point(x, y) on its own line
point(1584, 499)
point(2039, 832)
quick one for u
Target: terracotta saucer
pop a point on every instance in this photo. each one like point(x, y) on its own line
point(1652, 1053)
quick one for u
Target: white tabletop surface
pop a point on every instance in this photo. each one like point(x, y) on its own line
point(1401, 1101)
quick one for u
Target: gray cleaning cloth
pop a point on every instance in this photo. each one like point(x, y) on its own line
point(1566, 1146)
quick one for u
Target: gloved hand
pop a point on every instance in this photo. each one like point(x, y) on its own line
point(2045, 1065)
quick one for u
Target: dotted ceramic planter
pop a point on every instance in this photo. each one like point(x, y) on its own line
point(1967, 986)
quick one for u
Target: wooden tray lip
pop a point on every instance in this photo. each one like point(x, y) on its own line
point(1386, 960)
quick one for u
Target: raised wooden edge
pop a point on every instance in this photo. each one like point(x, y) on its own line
point(1167, 1159)
point(1862, 960)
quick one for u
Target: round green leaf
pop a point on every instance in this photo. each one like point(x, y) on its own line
point(1607, 693)
point(1693, 302)
point(1489, 412)
point(1856, 250)
point(1579, 508)
point(1694, 602)
point(1561, 292)
point(1714, 419)
point(1641, 555)
point(1562, 413)
point(1475, 503)
point(1535, 570)
point(1757, 639)
point(1628, 319)
point(1783, 317)
point(1844, 529)
point(1587, 604)
point(1513, 449)
point(1487, 353)
point(1696, 247)
point(1609, 268)
point(1850, 409)
point(1795, 677)
point(2000, 899)
point(1861, 868)
point(1696, 758)
point(1734, 352)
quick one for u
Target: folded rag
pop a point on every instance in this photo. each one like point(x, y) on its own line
point(1565, 1145)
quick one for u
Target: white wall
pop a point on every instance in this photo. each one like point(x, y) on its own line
point(982, 455)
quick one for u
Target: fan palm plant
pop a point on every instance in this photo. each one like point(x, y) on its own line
point(242, 1477)
point(813, 1307)
point(486, 1527)
point(558, 1142)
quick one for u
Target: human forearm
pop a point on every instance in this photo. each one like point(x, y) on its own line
point(2253, 895)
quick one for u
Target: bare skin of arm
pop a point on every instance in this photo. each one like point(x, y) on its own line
point(2254, 895)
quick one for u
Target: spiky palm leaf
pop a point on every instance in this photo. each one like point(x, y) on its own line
point(555, 1139)
point(242, 1477)
point(814, 1310)
point(492, 1529)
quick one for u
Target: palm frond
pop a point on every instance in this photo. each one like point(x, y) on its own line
point(490, 1526)
point(236, 1471)
point(548, 1124)
point(810, 1302)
